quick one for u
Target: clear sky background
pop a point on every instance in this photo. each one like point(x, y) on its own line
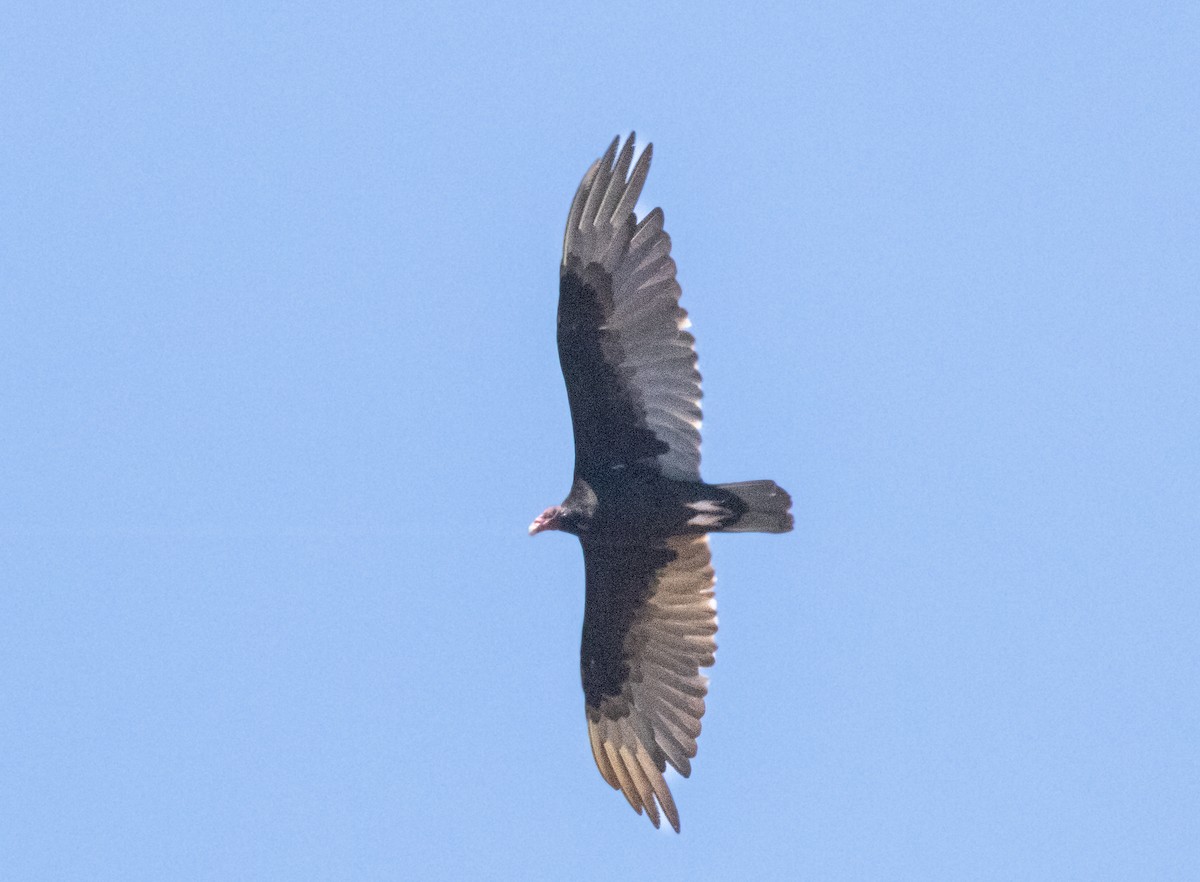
point(279, 396)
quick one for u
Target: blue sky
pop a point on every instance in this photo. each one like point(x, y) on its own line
point(279, 396)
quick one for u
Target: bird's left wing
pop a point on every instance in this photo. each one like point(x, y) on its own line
point(648, 628)
point(626, 356)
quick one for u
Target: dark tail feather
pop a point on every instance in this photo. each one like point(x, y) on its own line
point(768, 507)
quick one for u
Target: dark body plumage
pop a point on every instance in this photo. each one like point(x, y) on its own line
point(637, 502)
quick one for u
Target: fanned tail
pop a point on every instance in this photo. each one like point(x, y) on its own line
point(767, 508)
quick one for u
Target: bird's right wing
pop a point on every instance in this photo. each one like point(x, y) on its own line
point(626, 356)
point(648, 628)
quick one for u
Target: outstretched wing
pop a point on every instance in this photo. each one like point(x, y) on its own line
point(647, 630)
point(629, 363)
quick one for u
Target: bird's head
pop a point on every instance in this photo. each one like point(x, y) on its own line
point(550, 519)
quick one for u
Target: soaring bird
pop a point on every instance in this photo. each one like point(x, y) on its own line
point(637, 502)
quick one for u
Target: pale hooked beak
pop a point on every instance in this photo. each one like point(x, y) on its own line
point(547, 520)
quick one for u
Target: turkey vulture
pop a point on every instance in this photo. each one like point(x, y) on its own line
point(637, 502)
